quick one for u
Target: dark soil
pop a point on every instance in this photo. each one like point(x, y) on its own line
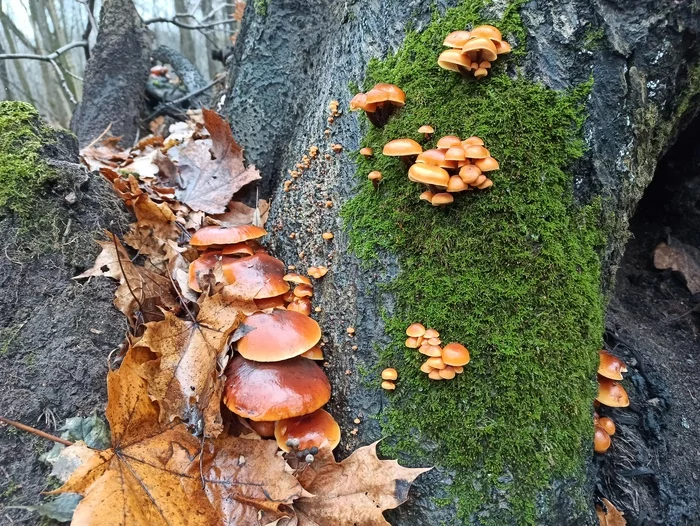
point(55, 333)
point(653, 469)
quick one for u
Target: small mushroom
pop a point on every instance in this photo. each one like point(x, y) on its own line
point(456, 39)
point(219, 235)
point(455, 354)
point(415, 330)
point(379, 102)
point(435, 375)
point(300, 305)
point(254, 277)
point(610, 366)
point(436, 362)
point(366, 151)
point(431, 333)
point(456, 184)
point(601, 440)
point(607, 424)
point(390, 374)
point(611, 393)
point(429, 175)
point(448, 373)
point(487, 164)
point(375, 177)
point(469, 173)
point(442, 199)
point(315, 353)
point(388, 385)
point(310, 430)
point(405, 149)
point(446, 142)
point(454, 60)
point(277, 336)
point(427, 196)
point(427, 131)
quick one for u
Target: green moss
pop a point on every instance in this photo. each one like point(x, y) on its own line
point(260, 7)
point(22, 170)
point(512, 272)
point(593, 38)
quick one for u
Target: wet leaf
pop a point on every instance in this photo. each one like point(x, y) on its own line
point(208, 184)
point(681, 258)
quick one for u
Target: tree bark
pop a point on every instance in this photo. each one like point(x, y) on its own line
point(187, 47)
point(292, 61)
point(115, 76)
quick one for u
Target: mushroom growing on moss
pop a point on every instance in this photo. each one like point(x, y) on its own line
point(379, 102)
point(375, 177)
point(473, 50)
point(427, 131)
point(405, 149)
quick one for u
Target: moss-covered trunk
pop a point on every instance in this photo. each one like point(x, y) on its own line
point(577, 116)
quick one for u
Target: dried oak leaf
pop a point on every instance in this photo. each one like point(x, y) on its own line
point(611, 517)
point(353, 492)
point(184, 376)
point(681, 258)
point(139, 481)
point(246, 481)
point(208, 184)
point(139, 289)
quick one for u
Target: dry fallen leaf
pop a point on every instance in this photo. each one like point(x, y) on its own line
point(208, 184)
point(153, 474)
point(184, 376)
point(613, 517)
point(139, 289)
point(155, 227)
point(245, 480)
point(238, 213)
point(139, 480)
point(354, 492)
point(681, 258)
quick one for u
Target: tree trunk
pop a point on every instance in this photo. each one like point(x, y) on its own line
point(115, 76)
point(5, 79)
point(520, 273)
point(187, 47)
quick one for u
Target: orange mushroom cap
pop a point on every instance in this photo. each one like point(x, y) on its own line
point(300, 305)
point(264, 429)
point(431, 333)
point(446, 142)
point(220, 235)
point(487, 164)
point(315, 353)
point(486, 31)
point(455, 354)
point(303, 291)
point(426, 128)
point(375, 176)
point(275, 302)
point(472, 141)
point(426, 196)
point(436, 362)
point(311, 430)
point(412, 342)
point(277, 336)
point(455, 153)
point(487, 183)
point(611, 393)
point(476, 152)
point(502, 47)
point(255, 277)
point(601, 440)
point(367, 152)
point(442, 198)
point(481, 72)
point(483, 45)
point(435, 375)
point(383, 92)
point(456, 184)
point(448, 373)
point(453, 60)
point(607, 424)
point(611, 366)
point(469, 173)
point(415, 330)
point(359, 102)
point(275, 391)
point(428, 174)
point(202, 265)
point(298, 279)
point(239, 249)
point(389, 374)
point(402, 148)
point(456, 39)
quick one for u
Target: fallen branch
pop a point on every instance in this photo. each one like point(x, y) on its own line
point(35, 431)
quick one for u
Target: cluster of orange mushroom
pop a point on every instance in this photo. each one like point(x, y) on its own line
point(379, 102)
point(443, 363)
point(610, 394)
point(454, 165)
point(473, 51)
point(272, 381)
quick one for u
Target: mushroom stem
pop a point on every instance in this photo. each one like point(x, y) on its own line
point(375, 118)
point(375, 183)
point(463, 71)
point(35, 431)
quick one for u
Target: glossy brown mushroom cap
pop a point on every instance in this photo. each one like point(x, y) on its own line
point(607, 424)
point(255, 277)
point(264, 429)
point(274, 391)
point(219, 235)
point(311, 430)
point(428, 174)
point(611, 393)
point(446, 142)
point(610, 366)
point(384, 92)
point(601, 440)
point(280, 335)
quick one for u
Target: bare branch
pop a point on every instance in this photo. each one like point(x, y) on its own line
point(183, 99)
point(44, 58)
point(62, 79)
point(174, 20)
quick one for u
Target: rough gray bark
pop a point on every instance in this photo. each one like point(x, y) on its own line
point(185, 70)
point(115, 76)
point(277, 109)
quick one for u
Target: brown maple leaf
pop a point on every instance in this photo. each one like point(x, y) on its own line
point(153, 474)
point(184, 376)
point(139, 289)
point(353, 492)
point(208, 184)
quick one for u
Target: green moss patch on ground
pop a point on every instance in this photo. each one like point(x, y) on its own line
point(22, 170)
point(511, 272)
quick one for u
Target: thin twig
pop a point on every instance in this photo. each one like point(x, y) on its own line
point(37, 432)
point(62, 80)
point(109, 127)
point(44, 58)
point(163, 107)
point(176, 22)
